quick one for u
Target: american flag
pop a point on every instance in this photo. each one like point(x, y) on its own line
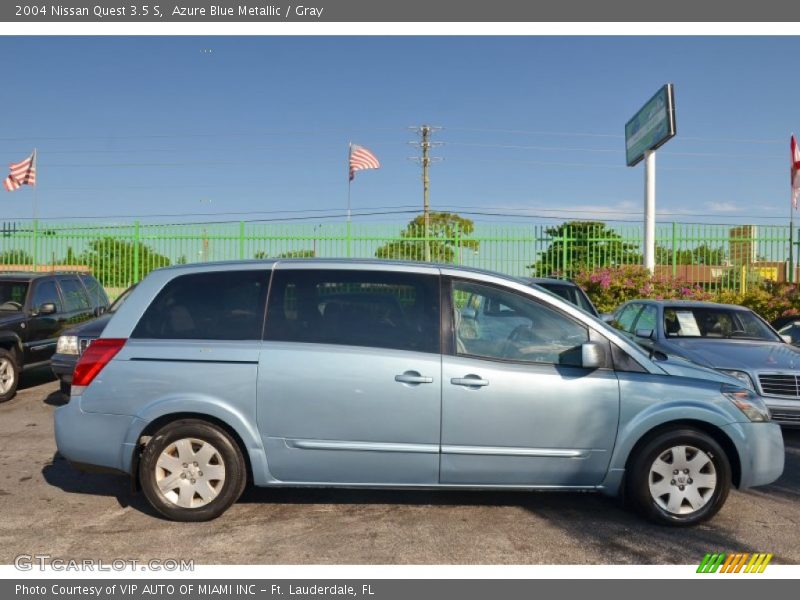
point(361, 159)
point(22, 173)
point(795, 172)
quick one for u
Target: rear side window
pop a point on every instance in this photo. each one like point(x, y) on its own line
point(74, 294)
point(355, 308)
point(97, 295)
point(222, 305)
point(45, 292)
point(624, 320)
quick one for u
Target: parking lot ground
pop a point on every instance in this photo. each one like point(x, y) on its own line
point(47, 507)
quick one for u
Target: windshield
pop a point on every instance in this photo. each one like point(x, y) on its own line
point(570, 293)
point(12, 294)
point(715, 323)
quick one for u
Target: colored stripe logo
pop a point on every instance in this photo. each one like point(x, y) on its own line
point(738, 562)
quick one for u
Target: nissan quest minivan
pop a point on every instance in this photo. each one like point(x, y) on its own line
point(377, 374)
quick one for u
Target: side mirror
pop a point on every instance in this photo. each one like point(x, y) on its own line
point(593, 355)
point(645, 333)
point(469, 313)
point(48, 308)
point(787, 339)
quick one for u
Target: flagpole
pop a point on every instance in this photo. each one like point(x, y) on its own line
point(349, 186)
point(35, 187)
point(791, 215)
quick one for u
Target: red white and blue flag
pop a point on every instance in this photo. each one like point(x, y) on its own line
point(361, 159)
point(21, 173)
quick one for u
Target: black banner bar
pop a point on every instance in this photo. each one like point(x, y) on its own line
point(460, 11)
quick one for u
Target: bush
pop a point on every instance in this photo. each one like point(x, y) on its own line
point(608, 287)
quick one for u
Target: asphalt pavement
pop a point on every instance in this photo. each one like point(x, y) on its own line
point(47, 507)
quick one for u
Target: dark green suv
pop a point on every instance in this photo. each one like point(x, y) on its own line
point(34, 309)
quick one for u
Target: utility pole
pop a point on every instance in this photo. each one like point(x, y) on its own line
point(425, 144)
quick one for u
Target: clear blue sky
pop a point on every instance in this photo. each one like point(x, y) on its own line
point(141, 125)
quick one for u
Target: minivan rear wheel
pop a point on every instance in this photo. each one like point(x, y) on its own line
point(192, 470)
point(680, 477)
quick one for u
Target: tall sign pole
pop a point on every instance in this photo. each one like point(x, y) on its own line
point(650, 128)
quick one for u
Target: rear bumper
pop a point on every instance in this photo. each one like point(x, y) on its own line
point(94, 439)
point(761, 452)
point(63, 365)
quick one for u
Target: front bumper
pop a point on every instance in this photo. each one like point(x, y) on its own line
point(63, 365)
point(784, 412)
point(761, 452)
point(94, 439)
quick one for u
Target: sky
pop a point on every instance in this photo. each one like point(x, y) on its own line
point(175, 129)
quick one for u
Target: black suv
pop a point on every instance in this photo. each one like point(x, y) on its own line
point(34, 309)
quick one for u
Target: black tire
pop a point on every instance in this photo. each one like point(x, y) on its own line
point(228, 456)
point(9, 368)
point(652, 505)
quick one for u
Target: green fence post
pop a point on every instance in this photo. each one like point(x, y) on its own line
point(674, 249)
point(564, 252)
point(35, 244)
point(241, 240)
point(135, 252)
point(348, 239)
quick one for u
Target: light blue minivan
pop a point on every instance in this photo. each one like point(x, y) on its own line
point(377, 374)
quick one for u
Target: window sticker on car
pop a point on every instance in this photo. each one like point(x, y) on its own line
point(687, 322)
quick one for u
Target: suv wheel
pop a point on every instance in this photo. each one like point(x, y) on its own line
point(680, 477)
point(191, 470)
point(9, 375)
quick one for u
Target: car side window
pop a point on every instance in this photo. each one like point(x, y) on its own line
point(45, 292)
point(521, 330)
point(219, 305)
point(648, 318)
point(378, 309)
point(626, 317)
point(75, 297)
point(97, 295)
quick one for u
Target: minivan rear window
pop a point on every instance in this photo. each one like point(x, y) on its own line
point(355, 308)
point(220, 305)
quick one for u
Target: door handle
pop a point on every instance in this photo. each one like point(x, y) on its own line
point(473, 381)
point(412, 377)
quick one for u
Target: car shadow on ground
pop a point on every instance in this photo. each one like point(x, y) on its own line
point(61, 474)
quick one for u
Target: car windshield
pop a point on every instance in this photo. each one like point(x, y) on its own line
point(571, 294)
point(715, 323)
point(12, 294)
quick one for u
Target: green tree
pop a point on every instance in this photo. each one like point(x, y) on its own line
point(448, 235)
point(578, 245)
point(700, 255)
point(262, 254)
point(15, 257)
point(112, 261)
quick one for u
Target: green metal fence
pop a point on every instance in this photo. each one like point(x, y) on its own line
point(718, 256)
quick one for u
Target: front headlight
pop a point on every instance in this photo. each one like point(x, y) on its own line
point(748, 402)
point(741, 376)
point(67, 344)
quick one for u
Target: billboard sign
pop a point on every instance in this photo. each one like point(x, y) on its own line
point(652, 126)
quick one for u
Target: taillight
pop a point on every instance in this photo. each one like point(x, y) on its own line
point(96, 356)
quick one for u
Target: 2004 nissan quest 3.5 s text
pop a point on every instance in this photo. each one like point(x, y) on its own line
point(376, 374)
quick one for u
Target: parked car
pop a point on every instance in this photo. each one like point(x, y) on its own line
point(74, 341)
point(569, 290)
point(372, 374)
point(729, 338)
point(34, 309)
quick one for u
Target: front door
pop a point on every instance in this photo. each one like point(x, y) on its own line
point(43, 329)
point(517, 407)
point(349, 387)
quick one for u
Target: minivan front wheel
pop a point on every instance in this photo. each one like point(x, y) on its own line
point(680, 477)
point(192, 470)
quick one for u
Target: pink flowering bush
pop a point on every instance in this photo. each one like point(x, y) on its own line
point(608, 287)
